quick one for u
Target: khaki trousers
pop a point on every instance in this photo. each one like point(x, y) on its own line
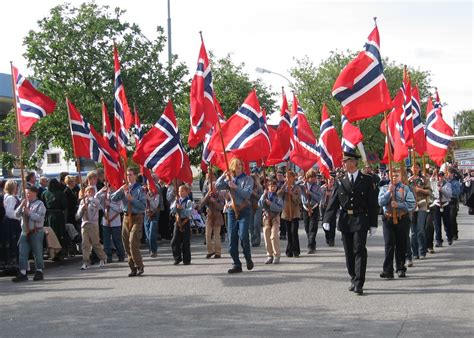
point(213, 229)
point(131, 237)
point(91, 240)
point(271, 231)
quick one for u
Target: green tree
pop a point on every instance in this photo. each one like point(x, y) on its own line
point(314, 85)
point(71, 55)
point(464, 123)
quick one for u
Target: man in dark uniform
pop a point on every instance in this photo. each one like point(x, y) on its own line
point(355, 195)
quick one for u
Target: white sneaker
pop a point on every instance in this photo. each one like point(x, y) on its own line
point(276, 260)
point(102, 263)
point(84, 266)
point(269, 260)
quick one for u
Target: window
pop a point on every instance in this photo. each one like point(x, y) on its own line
point(53, 158)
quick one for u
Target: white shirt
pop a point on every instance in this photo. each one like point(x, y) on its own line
point(354, 174)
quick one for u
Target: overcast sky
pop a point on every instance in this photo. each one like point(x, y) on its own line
point(430, 35)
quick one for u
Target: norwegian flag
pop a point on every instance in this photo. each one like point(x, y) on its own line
point(202, 111)
point(419, 138)
point(437, 103)
point(281, 146)
point(123, 116)
point(138, 131)
point(407, 118)
point(361, 87)
point(210, 156)
point(304, 150)
point(330, 150)
point(113, 173)
point(395, 139)
point(32, 105)
point(87, 142)
point(245, 134)
point(351, 136)
point(438, 134)
point(160, 149)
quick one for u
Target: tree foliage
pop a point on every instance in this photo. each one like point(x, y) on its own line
point(314, 85)
point(71, 55)
point(464, 123)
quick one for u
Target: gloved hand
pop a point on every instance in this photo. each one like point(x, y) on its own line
point(326, 226)
point(372, 231)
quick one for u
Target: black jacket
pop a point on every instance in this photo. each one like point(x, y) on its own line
point(358, 204)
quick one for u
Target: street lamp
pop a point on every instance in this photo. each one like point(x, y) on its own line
point(263, 71)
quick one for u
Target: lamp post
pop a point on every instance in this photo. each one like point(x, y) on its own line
point(263, 71)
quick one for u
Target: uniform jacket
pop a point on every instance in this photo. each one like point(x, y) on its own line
point(138, 202)
point(242, 192)
point(276, 205)
point(35, 217)
point(291, 207)
point(403, 196)
point(358, 204)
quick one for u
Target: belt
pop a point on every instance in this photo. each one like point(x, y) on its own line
point(400, 214)
point(355, 212)
point(132, 214)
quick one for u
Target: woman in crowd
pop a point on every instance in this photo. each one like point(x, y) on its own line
point(10, 231)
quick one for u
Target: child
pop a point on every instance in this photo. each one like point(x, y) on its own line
point(32, 212)
point(214, 201)
point(152, 217)
point(112, 224)
point(89, 212)
point(272, 205)
point(182, 207)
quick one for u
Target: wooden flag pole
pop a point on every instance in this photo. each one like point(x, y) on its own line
point(389, 146)
point(20, 146)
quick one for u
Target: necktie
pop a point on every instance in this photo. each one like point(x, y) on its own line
point(352, 179)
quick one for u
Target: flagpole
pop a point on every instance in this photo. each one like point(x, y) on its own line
point(19, 140)
point(423, 161)
point(389, 148)
point(104, 111)
point(78, 162)
point(234, 206)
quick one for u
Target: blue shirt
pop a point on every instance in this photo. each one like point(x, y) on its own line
point(138, 201)
point(243, 190)
point(403, 196)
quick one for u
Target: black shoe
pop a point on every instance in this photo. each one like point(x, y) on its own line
point(455, 237)
point(217, 256)
point(387, 275)
point(249, 264)
point(176, 262)
point(121, 259)
point(20, 278)
point(450, 242)
point(359, 291)
point(438, 244)
point(187, 263)
point(311, 251)
point(132, 273)
point(140, 271)
point(331, 242)
point(289, 254)
point(352, 287)
point(401, 274)
point(296, 255)
point(38, 276)
point(235, 269)
point(209, 255)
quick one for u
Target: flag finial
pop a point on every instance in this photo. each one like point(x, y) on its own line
point(200, 33)
point(375, 20)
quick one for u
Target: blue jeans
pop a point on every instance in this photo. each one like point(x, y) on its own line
point(255, 226)
point(151, 228)
point(239, 229)
point(33, 242)
point(114, 234)
point(418, 240)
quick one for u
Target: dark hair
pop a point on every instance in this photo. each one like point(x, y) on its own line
point(54, 185)
point(30, 176)
point(134, 170)
point(62, 176)
point(32, 188)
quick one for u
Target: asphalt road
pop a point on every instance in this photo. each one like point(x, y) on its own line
point(305, 296)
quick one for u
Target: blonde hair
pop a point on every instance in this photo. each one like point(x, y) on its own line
point(70, 179)
point(91, 174)
point(10, 187)
point(310, 173)
point(89, 187)
point(233, 164)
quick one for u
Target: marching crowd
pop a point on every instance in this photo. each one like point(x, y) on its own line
point(57, 218)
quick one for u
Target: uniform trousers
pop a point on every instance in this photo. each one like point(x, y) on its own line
point(131, 237)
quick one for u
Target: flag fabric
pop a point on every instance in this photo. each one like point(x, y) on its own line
point(407, 117)
point(202, 111)
point(281, 146)
point(419, 138)
point(245, 134)
point(395, 138)
point(160, 149)
point(138, 132)
point(438, 134)
point(32, 105)
point(210, 156)
point(87, 142)
point(361, 86)
point(329, 146)
point(304, 149)
point(113, 173)
point(351, 136)
point(123, 116)
point(437, 102)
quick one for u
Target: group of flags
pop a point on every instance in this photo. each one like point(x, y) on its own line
point(361, 88)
